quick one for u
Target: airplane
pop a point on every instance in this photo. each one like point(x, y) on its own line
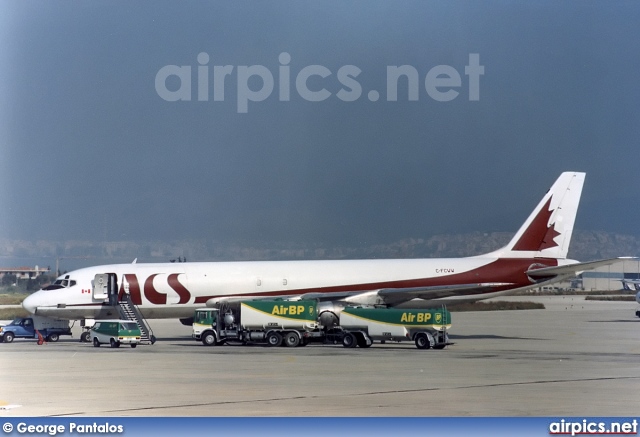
point(630, 284)
point(635, 283)
point(536, 255)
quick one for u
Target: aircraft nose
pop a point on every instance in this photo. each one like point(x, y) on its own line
point(31, 303)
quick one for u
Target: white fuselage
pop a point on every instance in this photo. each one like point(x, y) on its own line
point(170, 290)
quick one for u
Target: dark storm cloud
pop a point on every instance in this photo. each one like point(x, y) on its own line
point(90, 150)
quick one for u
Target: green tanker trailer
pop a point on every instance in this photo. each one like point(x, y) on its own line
point(296, 323)
point(427, 328)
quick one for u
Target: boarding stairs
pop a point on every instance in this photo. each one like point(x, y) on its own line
point(129, 311)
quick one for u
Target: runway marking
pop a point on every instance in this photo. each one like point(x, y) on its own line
point(4, 405)
point(417, 390)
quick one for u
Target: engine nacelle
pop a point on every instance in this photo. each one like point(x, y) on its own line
point(187, 321)
point(229, 319)
point(329, 313)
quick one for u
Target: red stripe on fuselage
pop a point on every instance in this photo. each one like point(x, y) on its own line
point(503, 270)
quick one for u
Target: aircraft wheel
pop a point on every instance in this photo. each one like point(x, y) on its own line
point(85, 337)
point(96, 342)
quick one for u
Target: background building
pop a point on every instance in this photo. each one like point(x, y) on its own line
point(23, 272)
point(624, 275)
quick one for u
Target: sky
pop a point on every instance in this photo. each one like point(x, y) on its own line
point(117, 122)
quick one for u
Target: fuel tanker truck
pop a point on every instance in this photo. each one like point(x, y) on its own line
point(297, 323)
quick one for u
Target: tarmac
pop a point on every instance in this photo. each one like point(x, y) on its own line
point(574, 358)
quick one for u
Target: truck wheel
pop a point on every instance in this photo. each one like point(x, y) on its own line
point(274, 339)
point(209, 339)
point(291, 339)
point(362, 340)
point(8, 337)
point(85, 337)
point(349, 340)
point(96, 342)
point(114, 343)
point(133, 345)
point(422, 341)
point(53, 338)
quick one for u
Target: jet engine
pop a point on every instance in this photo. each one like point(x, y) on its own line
point(329, 313)
point(187, 321)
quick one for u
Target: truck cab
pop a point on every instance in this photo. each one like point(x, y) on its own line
point(204, 325)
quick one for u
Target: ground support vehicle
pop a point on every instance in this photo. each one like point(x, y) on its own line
point(427, 328)
point(295, 323)
point(274, 322)
point(115, 333)
point(29, 327)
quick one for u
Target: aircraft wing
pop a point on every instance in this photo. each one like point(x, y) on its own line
point(427, 293)
point(383, 296)
point(572, 269)
point(395, 296)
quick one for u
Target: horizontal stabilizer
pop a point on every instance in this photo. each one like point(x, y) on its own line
point(573, 269)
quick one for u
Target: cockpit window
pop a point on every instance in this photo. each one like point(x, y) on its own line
point(60, 283)
point(53, 287)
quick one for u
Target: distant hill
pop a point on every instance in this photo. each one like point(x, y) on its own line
point(585, 246)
